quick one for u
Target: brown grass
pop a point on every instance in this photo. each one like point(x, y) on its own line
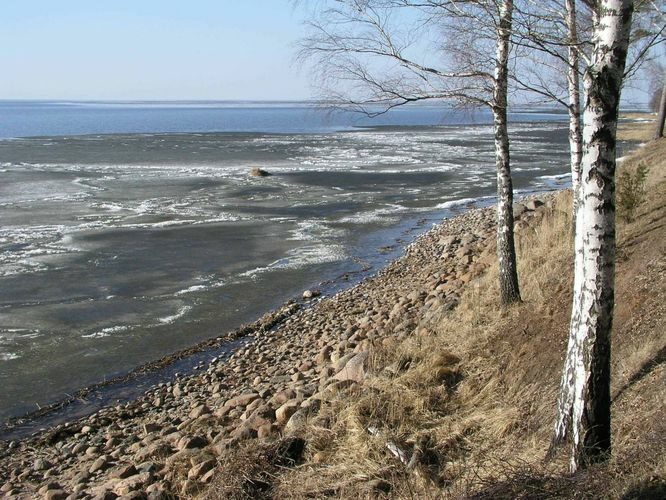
point(476, 396)
point(636, 127)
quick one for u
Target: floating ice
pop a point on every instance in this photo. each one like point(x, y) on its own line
point(556, 176)
point(300, 257)
point(167, 320)
point(461, 201)
point(106, 332)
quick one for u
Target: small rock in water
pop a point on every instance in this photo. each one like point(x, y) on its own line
point(309, 294)
point(259, 172)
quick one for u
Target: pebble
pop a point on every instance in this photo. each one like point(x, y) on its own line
point(100, 464)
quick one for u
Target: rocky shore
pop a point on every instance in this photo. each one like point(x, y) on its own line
point(169, 442)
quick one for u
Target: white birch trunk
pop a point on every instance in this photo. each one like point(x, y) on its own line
point(506, 251)
point(661, 116)
point(575, 134)
point(584, 402)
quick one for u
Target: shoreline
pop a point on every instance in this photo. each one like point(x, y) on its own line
point(297, 358)
point(114, 320)
point(128, 387)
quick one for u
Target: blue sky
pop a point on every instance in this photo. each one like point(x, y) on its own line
point(150, 49)
point(158, 49)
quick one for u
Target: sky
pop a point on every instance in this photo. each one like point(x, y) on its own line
point(150, 49)
point(158, 50)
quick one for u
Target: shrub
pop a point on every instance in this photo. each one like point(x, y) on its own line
point(631, 191)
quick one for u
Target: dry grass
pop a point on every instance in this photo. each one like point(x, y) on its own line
point(250, 471)
point(636, 127)
point(473, 402)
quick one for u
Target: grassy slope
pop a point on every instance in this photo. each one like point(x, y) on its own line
point(476, 395)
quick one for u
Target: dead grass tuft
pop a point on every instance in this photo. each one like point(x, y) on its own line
point(250, 471)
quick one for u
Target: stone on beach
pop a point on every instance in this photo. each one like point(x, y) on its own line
point(309, 294)
point(354, 368)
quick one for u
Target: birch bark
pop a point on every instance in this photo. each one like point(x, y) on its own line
point(506, 251)
point(661, 116)
point(584, 402)
point(573, 80)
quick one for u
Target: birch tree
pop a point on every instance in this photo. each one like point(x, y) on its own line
point(661, 114)
point(573, 82)
point(365, 59)
point(506, 253)
point(584, 402)
point(560, 40)
point(550, 31)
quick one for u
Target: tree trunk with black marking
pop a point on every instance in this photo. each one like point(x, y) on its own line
point(506, 251)
point(573, 80)
point(661, 116)
point(584, 401)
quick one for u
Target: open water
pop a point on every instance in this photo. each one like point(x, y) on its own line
point(131, 230)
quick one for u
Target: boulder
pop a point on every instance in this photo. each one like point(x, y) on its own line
point(42, 491)
point(191, 442)
point(282, 397)
point(200, 411)
point(101, 464)
point(149, 428)
point(200, 469)
point(324, 355)
point(242, 400)
point(354, 369)
point(310, 294)
point(55, 495)
point(284, 412)
point(297, 421)
point(155, 450)
point(41, 464)
point(124, 471)
point(131, 484)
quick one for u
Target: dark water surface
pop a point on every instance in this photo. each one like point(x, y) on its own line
point(146, 234)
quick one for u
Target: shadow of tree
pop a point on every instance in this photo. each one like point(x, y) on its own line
point(648, 366)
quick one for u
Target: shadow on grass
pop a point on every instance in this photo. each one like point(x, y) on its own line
point(648, 366)
point(527, 485)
